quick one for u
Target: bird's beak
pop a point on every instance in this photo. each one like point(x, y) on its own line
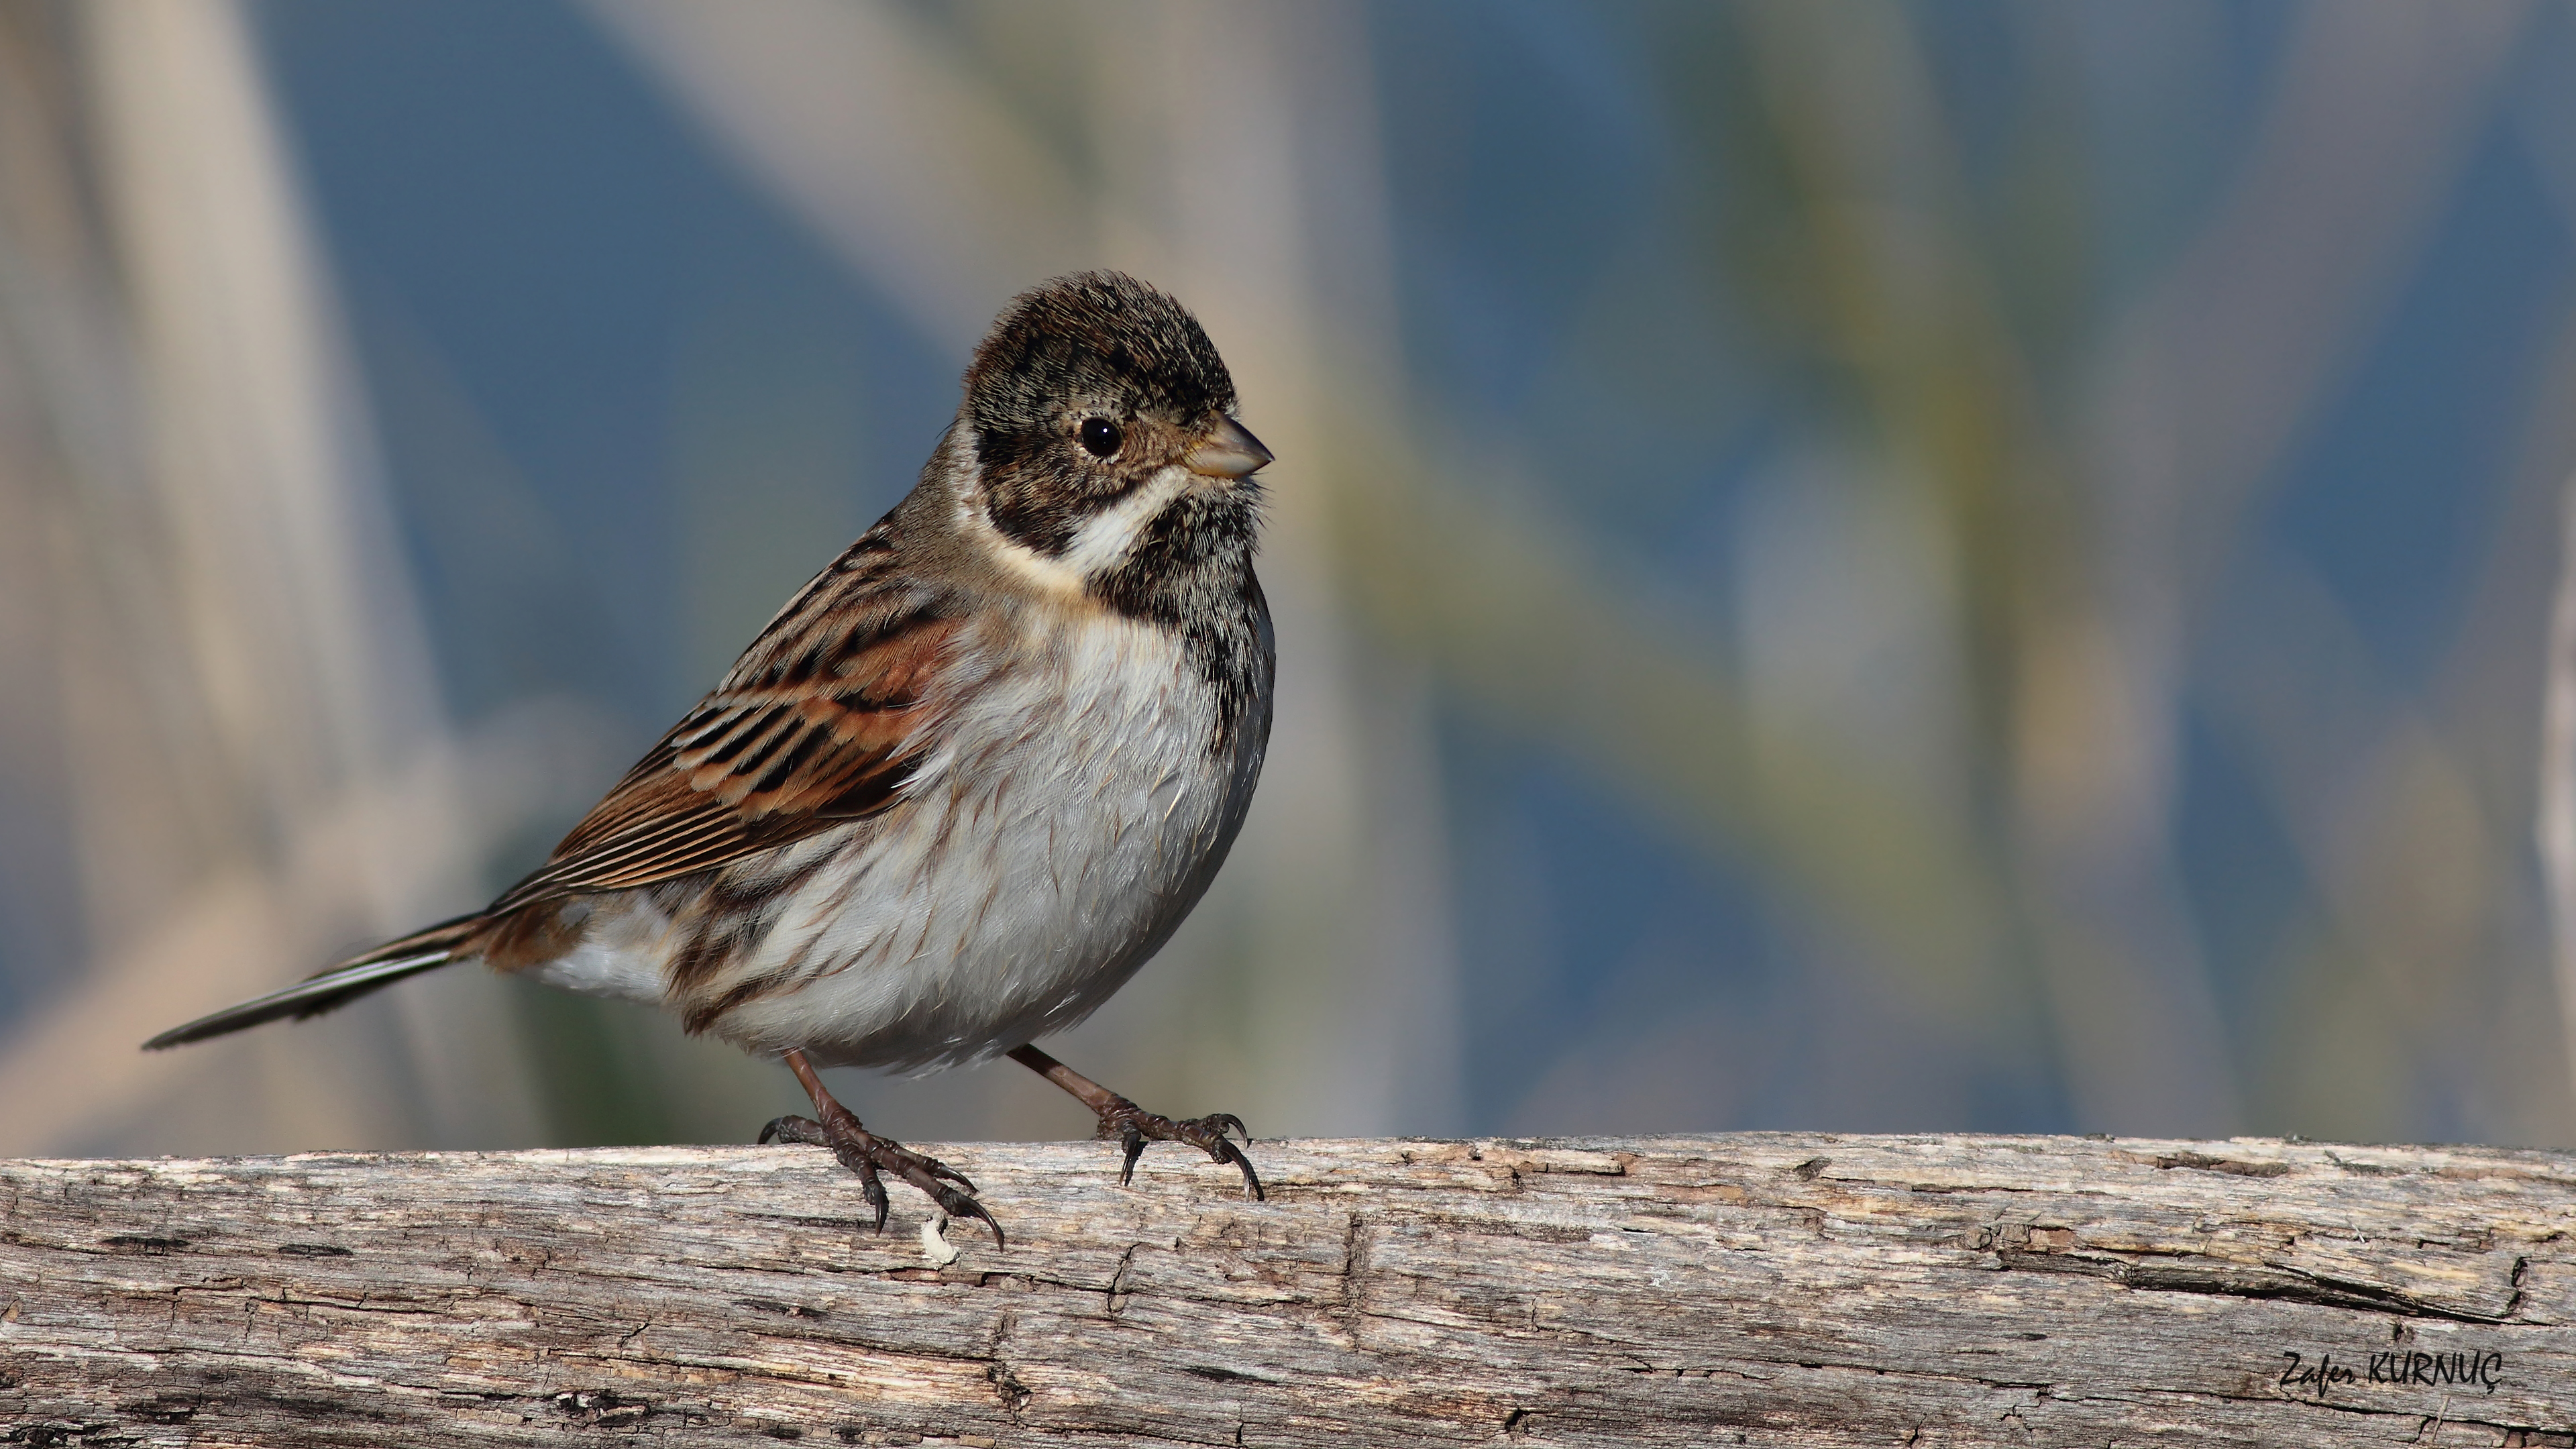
point(1228, 451)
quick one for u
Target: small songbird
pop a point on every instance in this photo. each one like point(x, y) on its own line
point(967, 781)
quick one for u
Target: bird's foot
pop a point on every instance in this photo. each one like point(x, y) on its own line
point(1132, 1127)
point(868, 1155)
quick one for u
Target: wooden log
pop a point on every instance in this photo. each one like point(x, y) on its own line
point(1758, 1289)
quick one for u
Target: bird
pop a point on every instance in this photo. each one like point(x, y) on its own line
point(966, 782)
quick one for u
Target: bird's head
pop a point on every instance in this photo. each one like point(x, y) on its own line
point(1098, 420)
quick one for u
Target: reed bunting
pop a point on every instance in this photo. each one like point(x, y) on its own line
point(967, 781)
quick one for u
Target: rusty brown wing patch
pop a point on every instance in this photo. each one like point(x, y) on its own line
point(818, 724)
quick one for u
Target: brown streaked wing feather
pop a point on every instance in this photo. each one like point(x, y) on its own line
point(818, 724)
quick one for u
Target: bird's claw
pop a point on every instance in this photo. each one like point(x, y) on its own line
point(865, 1153)
point(801, 1130)
point(1133, 1127)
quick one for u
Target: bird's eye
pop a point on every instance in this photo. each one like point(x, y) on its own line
point(1100, 437)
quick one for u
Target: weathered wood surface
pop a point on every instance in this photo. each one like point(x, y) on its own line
point(1765, 1289)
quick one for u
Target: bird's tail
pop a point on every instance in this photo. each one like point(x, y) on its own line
point(420, 951)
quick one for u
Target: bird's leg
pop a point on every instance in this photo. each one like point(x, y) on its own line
point(1132, 1126)
point(864, 1152)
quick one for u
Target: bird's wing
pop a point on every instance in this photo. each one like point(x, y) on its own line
point(822, 720)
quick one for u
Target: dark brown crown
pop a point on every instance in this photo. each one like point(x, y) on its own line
point(1093, 336)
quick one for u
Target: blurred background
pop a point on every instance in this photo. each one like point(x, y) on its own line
point(1972, 565)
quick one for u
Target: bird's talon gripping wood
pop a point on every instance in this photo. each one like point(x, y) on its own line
point(865, 1153)
point(1131, 1126)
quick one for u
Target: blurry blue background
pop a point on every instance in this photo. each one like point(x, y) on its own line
point(1954, 566)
